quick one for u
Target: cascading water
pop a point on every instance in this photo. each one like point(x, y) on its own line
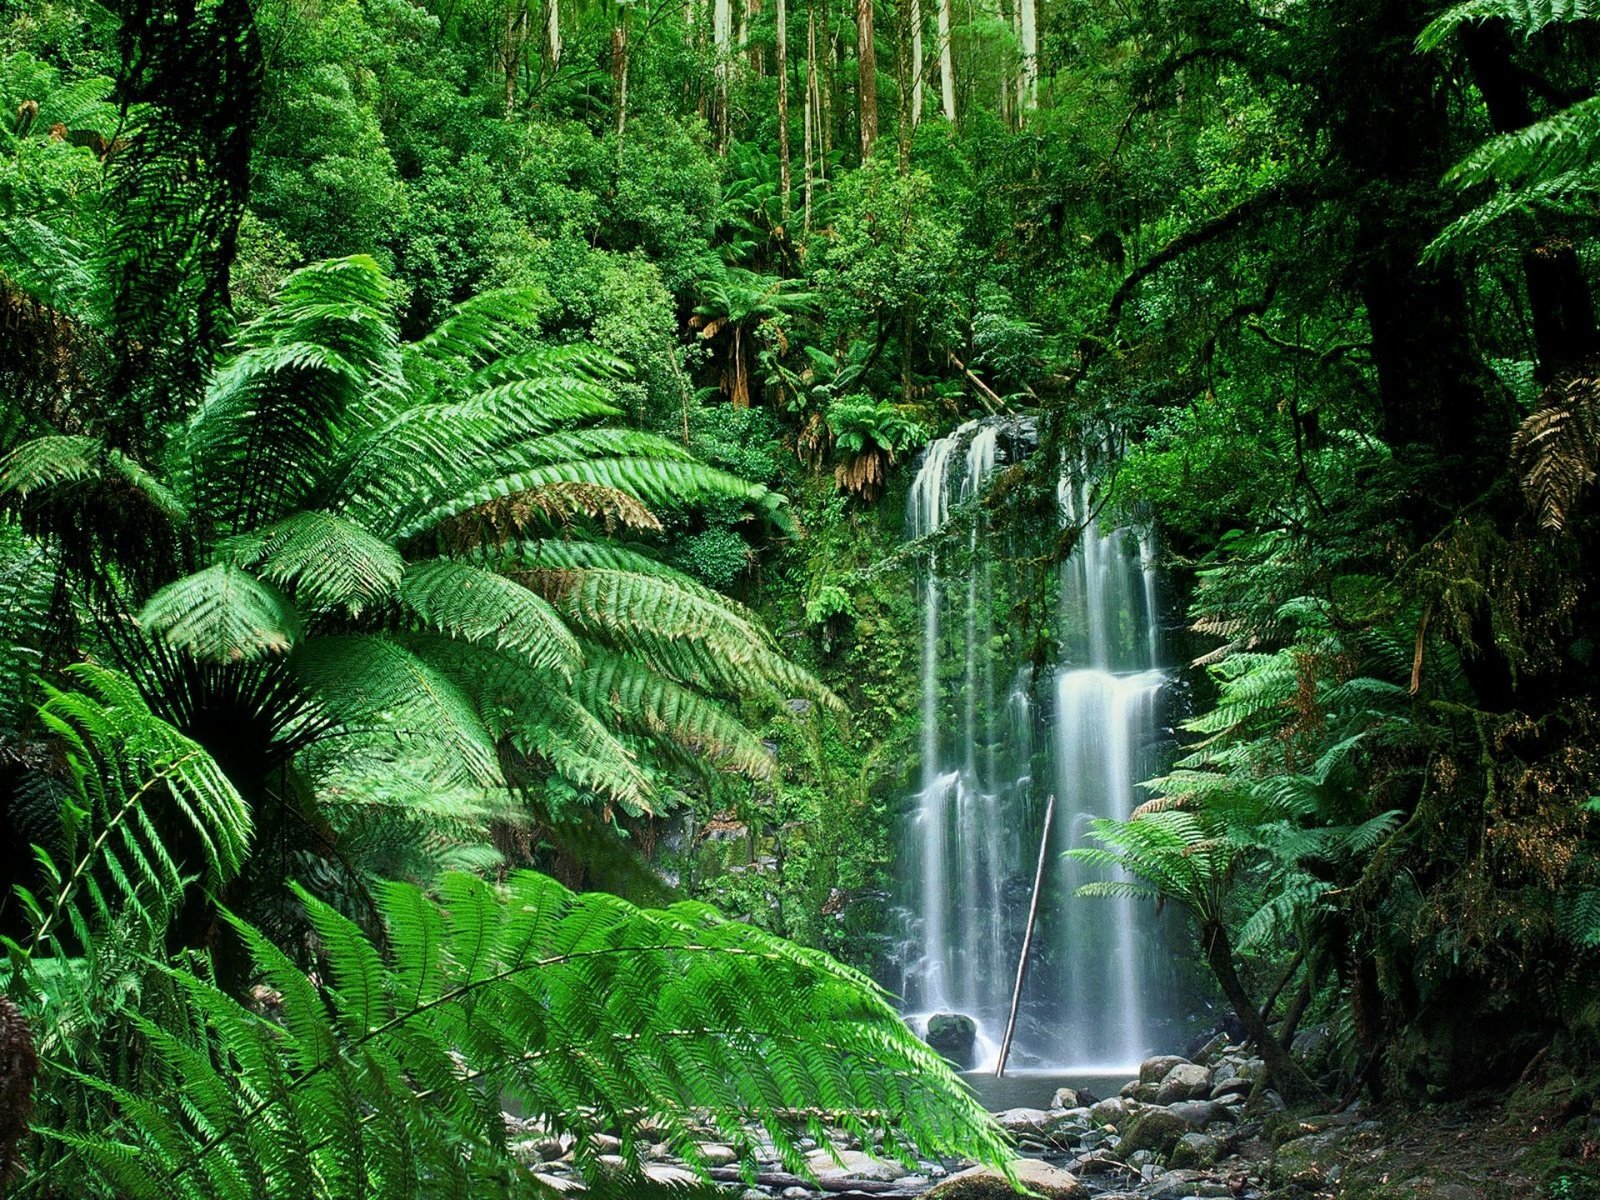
point(1093, 732)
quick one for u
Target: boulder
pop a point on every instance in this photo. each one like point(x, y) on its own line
point(669, 1176)
point(1064, 1099)
point(1305, 1162)
point(1114, 1112)
point(1154, 1070)
point(1186, 1081)
point(1023, 1121)
point(1196, 1150)
point(985, 1183)
point(1154, 1129)
point(954, 1035)
point(1232, 1087)
point(718, 1155)
point(1197, 1114)
point(852, 1164)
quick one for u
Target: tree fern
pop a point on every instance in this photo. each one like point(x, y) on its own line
point(137, 789)
point(328, 561)
point(593, 1015)
point(223, 614)
point(484, 607)
point(1527, 17)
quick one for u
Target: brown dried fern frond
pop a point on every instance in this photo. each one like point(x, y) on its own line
point(1557, 448)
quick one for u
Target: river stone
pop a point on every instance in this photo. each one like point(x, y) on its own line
point(677, 1177)
point(537, 1150)
point(1186, 1081)
point(718, 1155)
point(1154, 1070)
point(1196, 1150)
point(558, 1184)
point(954, 1035)
point(1035, 1121)
point(853, 1164)
point(985, 1183)
point(1197, 1114)
point(1232, 1087)
point(1113, 1112)
point(1156, 1129)
point(1064, 1099)
point(1306, 1161)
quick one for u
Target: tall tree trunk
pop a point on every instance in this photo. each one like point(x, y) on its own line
point(781, 49)
point(1028, 78)
point(1285, 1073)
point(511, 50)
point(810, 107)
point(721, 40)
point(867, 77)
point(947, 71)
point(553, 32)
point(917, 66)
point(619, 71)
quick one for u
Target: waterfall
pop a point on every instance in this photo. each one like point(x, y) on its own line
point(1091, 727)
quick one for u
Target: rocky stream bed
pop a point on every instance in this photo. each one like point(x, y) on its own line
point(1203, 1128)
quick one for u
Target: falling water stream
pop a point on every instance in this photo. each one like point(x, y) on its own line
point(1090, 727)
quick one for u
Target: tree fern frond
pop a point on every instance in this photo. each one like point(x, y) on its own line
point(653, 482)
point(483, 329)
point(223, 614)
point(656, 707)
point(1527, 17)
point(380, 689)
point(327, 560)
point(48, 462)
point(709, 644)
point(483, 607)
point(140, 791)
point(592, 1014)
point(1555, 449)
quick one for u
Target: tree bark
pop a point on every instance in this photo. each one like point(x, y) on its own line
point(781, 50)
point(947, 74)
point(1028, 78)
point(810, 107)
point(867, 77)
point(619, 73)
point(721, 41)
point(917, 66)
point(1285, 1074)
point(553, 32)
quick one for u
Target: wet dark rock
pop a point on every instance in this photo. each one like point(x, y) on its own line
point(1197, 1114)
point(1154, 1070)
point(954, 1035)
point(1196, 1150)
point(1186, 1081)
point(1154, 1129)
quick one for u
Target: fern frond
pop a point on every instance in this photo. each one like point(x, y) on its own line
point(223, 614)
point(326, 560)
point(592, 1014)
point(483, 329)
point(1555, 449)
point(708, 644)
point(49, 462)
point(379, 689)
point(488, 609)
point(1526, 17)
point(654, 706)
point(140, 791)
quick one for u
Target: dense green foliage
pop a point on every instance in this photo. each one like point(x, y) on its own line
point(396, 415)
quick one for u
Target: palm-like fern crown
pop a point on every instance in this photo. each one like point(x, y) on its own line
point(423, 536)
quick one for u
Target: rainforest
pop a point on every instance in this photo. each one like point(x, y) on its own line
point(799, 598)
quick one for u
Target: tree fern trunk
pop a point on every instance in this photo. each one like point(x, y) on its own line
point(1286, 1074)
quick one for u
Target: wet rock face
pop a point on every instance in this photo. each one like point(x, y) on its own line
point(1186, 1081)
point(954, 1035)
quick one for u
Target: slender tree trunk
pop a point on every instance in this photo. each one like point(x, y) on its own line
point(917, 66)
point(947, 71)
point(810, 107)
point(511, 51)
point(553, 32)
point(619, 72)
point(721, 39)
point(867, 77)
point(781, 50)
point(1028, 78)
point(1286, 1074)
